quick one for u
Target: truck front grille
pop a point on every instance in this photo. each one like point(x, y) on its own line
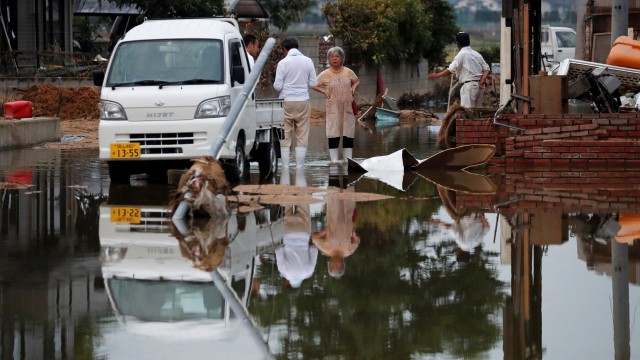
point(152, 221)
point(166, 143)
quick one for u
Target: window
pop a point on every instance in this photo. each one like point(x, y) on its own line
point(566, 39)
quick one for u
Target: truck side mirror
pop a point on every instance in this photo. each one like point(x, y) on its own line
point(237, 74)
point(98, 77)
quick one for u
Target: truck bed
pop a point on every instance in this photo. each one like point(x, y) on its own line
point(269, 113)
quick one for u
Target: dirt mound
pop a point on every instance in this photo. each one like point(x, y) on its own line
point(65, 103)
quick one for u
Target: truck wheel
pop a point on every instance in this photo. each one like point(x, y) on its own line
point(267, 159)
point(120, 171)
point(239, 169)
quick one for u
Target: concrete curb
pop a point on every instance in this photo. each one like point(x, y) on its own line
point(28, 132)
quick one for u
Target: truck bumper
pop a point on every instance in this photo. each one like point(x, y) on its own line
point(189, 139)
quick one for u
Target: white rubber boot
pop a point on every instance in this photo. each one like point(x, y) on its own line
point(284, 177)
point(284, 158)
point(333, 155)
point(347, 153)
point(301, 180)
point(301, 153)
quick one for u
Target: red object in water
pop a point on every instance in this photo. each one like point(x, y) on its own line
point(18, 110)
point(20, 176)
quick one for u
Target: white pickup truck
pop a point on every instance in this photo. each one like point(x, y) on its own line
point(556, 44)
point(158, 295)
point(166, 92)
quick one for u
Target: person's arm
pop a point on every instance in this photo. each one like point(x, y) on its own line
point(445, 72)
point(354, 86)
point(318, 86)
point(320, 90)
point(311, 78)
point(279, 81)
point(483, 78)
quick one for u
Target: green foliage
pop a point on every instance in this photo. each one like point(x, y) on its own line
point(442, 26)
point(283, 13)
point(390, 31)
point(159, 9)
point(490, 54)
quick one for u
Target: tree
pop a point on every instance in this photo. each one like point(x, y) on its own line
point(177, 8)
point(395, 30)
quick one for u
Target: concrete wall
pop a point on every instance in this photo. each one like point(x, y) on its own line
point(27, 132)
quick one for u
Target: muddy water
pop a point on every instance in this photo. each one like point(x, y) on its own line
point(90, 270)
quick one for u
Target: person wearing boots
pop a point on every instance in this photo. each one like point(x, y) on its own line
point(339, 83)
point(295, 74)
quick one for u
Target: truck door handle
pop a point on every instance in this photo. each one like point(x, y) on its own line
point(559, 50)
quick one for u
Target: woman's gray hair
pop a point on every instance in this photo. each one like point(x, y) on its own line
point(336, 50)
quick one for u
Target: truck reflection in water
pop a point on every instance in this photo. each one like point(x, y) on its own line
point(161, 278)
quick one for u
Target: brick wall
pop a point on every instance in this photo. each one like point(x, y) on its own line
point(558, 141)
point(560, 191)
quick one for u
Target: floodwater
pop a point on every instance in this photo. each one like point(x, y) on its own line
point(466, 267)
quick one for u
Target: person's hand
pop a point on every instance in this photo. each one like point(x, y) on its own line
point(353, 90)
point(433, 76)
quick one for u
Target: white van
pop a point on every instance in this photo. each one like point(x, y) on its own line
point(556, 44)
point(167, 91)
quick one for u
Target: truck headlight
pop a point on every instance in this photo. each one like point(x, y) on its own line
point(112, 254)
point(111, 111)
point(216, 107)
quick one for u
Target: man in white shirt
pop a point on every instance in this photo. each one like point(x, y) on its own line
point(296, 259)
point(470, 69)
point(253, 48)
point(295, 74)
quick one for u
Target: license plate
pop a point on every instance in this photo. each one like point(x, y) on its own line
point(125, 150)
point(129, 215)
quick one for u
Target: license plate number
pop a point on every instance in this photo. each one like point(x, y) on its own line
point(129, 215)
point(125, 150)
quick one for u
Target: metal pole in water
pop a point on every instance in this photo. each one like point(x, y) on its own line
point(238, 105)
point(240, 310)
point(234, 113)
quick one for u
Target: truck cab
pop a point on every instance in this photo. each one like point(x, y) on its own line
point(556, 44)
point(166, 92)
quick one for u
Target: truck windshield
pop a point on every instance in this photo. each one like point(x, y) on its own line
point(165, 62)
point(566, 39)
point(165, 301)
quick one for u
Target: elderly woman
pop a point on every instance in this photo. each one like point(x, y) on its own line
point(338, 83)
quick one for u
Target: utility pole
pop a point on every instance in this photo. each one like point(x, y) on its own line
point(619, 250)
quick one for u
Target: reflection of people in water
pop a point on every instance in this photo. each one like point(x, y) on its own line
point(468, 231)
point(296, 259)
point(468, 228)
point(339, 239)
point(205, 243)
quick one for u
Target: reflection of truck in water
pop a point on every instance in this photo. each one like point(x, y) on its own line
point(166, 93)
point(157, 292)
